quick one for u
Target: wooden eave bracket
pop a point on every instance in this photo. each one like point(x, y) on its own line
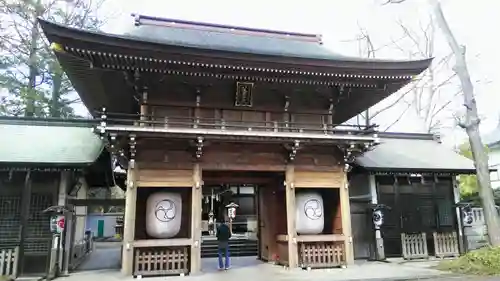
point(132, 146)
point(292, 150)
point(351, 151)
point(198, 145)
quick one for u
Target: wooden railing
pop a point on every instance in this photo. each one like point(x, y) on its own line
point(321, 127)
point(321, 254)
point(161, 261)
point(446, 244)
point(414, 246)
point(8, 262)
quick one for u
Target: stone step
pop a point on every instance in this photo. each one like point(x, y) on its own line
point(238, 248)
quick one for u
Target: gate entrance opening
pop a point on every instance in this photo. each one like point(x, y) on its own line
point(240, 189)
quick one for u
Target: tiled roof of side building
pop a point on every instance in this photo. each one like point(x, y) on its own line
point(414, 153)
point(39, 143)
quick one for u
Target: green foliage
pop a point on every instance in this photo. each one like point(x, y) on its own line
point(485, 261)
point(34, 82)
point(468, 183)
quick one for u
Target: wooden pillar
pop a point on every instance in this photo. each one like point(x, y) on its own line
point(291, 217)
point(346, 220)
point(129, 219)
point(24, 217)
point(196, 197)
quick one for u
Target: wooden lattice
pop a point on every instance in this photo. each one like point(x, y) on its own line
point(321, 254)
point(446, 244)
point(8, 262)
point(161, 261)
point(414, 246)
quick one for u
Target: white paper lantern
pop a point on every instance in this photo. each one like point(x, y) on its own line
point(310, 217)
point(163, 214)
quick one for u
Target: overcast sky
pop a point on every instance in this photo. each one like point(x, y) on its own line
point(338, 21)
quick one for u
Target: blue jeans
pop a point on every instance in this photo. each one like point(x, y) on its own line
point(225, 252)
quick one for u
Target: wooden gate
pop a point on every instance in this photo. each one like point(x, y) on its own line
point(446, 244)
point(321, 254)
point(414, 246)
point(161, 261)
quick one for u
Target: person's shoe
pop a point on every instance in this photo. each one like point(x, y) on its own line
point(227, 268)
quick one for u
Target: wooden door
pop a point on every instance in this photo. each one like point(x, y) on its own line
point(362, 230)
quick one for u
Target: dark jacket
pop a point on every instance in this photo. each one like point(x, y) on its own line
point(223, 235)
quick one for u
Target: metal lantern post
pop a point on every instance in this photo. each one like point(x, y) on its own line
point(378, 212)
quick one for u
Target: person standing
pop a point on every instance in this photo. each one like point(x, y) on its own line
point(223, 236)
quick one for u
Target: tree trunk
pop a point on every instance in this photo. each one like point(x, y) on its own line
point(55, 102)
point(471, 125)
point(33, 49)
point(31, 96)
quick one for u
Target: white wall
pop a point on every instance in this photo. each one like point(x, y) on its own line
point(494, 163)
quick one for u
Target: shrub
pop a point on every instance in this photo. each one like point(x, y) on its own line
point(485, 261)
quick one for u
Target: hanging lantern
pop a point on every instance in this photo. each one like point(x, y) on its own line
point(378, 218)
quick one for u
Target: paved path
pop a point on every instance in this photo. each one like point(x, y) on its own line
point(466, 278)
point(249, 269)
point(104, 265)
point(106, 255)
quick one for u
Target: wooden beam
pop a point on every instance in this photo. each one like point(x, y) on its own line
point(313, 238)
point(165, 177)
point(318, 179)
point(162, 242)
point(129, 220)
point(346, 220)
point(196, 198)
point(290, 216)
point(256, 136)
point(96, 202)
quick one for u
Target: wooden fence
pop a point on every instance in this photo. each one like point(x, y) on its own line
point(8, 262)
point(161, 261)
point(321, 254)
point(414, 246)
point(446, 244)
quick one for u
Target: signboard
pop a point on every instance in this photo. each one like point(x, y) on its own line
point(231, 212)
point(57, 224)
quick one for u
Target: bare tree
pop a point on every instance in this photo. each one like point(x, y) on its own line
point(427, 96)
point(431, 96)
point(366, 48)
point(470, 123)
